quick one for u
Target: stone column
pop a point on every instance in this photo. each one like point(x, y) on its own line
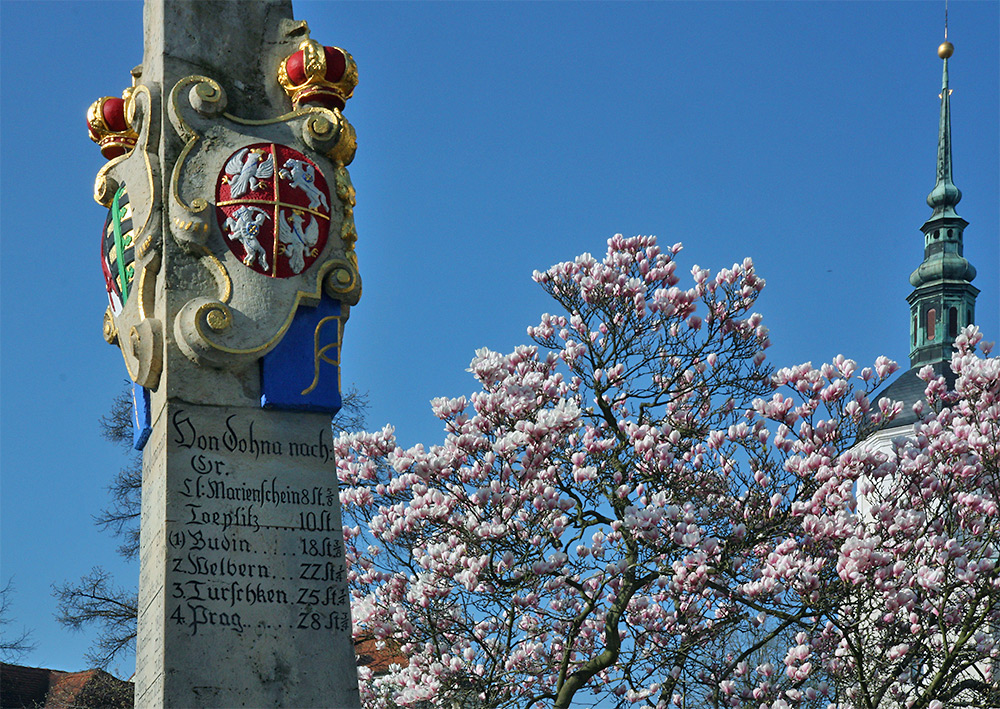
point(230, 265)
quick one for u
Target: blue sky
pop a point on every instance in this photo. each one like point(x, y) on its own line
point(495, 139)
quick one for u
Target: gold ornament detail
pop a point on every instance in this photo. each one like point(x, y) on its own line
point(217, 316)
point(347, 195)
point(320, 352)
point(346, 146)
point(340, 279)
point(207, 99)
point(105, 186)
point(314, 85)
point(104, 189)
point(114, 142)
point(320, 126)
point(110, 330)
point(191, 225)
point(130, 93)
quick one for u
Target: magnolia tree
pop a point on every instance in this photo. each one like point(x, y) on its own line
point(917, 621)
point(636, 509)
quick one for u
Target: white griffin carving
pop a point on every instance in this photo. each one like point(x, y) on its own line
point(301, 175)
point(298, 240)
point(246, 169)
point(245, 226)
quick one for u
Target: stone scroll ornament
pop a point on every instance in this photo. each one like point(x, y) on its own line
point(263, 211)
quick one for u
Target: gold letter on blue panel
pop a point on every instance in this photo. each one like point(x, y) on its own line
point(303, 371)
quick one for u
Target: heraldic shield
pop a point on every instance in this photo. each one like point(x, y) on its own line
point(264, 209)
point(118, 251)
point(130, 239)
point(118, 263)
point(273, 206)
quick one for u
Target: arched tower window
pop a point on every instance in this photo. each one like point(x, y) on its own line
point(931, 322)
point(952, 322)
point(913, 330)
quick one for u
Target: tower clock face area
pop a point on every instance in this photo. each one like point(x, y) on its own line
point(273, 207)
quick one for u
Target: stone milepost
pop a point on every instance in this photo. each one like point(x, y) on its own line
point(228, 256)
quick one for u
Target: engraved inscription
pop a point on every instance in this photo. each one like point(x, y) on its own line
point(256, 540)
point(238, 438)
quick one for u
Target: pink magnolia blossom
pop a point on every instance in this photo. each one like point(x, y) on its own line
point(636, 506)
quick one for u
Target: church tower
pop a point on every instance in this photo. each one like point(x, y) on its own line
point(943, 300)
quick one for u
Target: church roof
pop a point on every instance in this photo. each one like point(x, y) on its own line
point(909, 389)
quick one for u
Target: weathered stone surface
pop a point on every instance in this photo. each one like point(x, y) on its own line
point(243, 597)
point(238, 42)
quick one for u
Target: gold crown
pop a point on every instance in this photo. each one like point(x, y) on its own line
point(109, 127)
point(318, 75)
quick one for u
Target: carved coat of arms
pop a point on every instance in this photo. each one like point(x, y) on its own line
point(240, 249)
point(273, 206)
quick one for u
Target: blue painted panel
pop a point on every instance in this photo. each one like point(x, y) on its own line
point(303, 372)
point(141, 424)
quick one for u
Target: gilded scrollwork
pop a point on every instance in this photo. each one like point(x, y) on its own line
point(138, 105)
point(105, 187)
point(110, 329)
point(221, 275)
point(346, 194)
point(342, 152)
point(201, 320)
point(207, 98)
point(342, 281)
point(146, 350)
point(211, 92)
point(221, 329)
point(143, 350)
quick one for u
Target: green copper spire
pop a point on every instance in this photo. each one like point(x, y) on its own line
point(943, 300)
point(945, 195)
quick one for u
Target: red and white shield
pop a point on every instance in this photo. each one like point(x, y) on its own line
point(273, 206)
